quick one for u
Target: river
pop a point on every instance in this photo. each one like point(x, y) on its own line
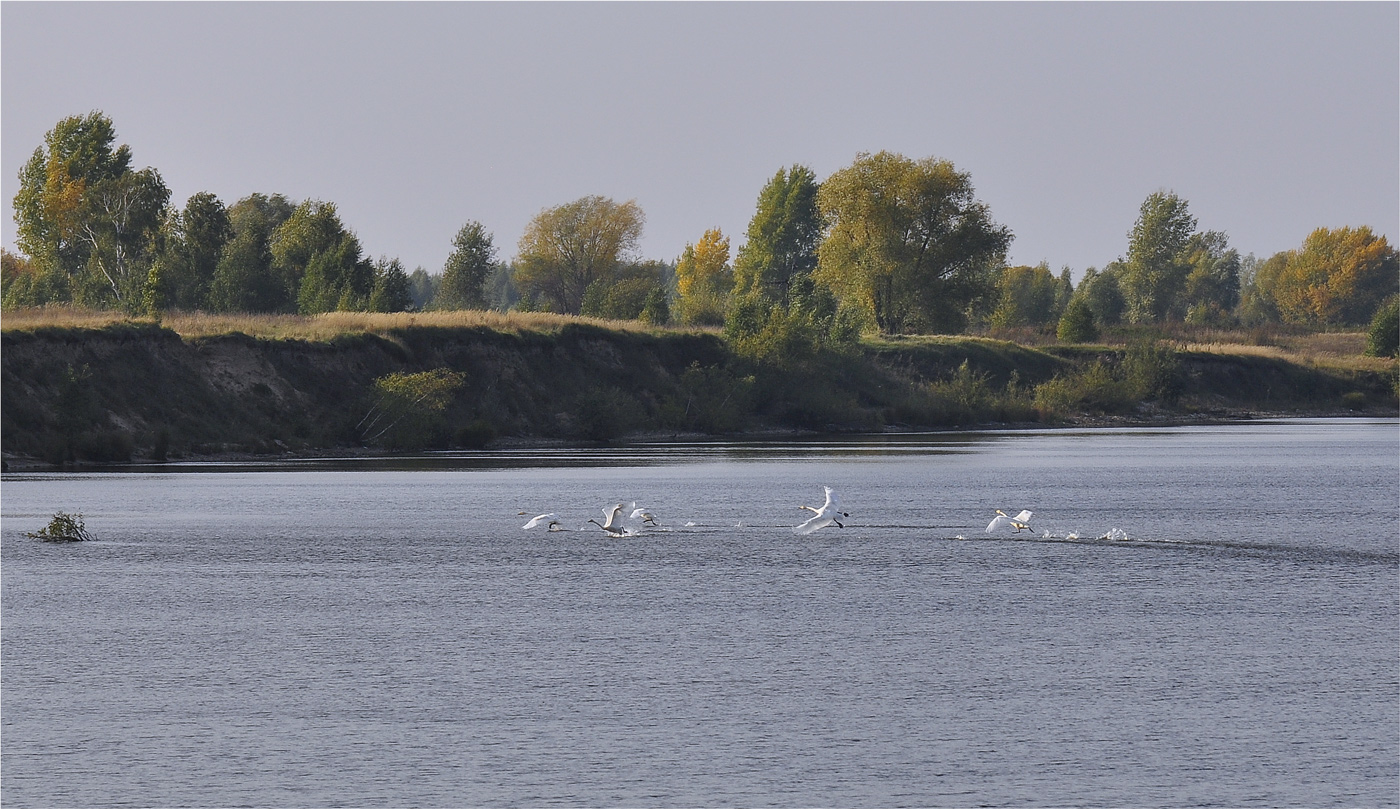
point(1200, 616)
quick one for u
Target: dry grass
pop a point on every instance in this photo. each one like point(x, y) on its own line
point(1344, 350)
point(316, 328)
point(64, 317)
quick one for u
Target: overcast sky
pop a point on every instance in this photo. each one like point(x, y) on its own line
point(414, 118)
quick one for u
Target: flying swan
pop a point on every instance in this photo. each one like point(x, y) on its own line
point(535, 521)
point(1021, 522)
point(822, 517)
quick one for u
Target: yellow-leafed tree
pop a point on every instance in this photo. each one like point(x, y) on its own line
point(704, 280)
point(1338, 278)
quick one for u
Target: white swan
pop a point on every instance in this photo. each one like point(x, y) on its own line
point(612, 515)
point(1021, 522)
point(642, 514)
point(535, 521)
point(822, 517)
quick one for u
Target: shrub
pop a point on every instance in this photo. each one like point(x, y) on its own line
point(1077, 325)
point(1383, 339)
point(1151, 371)
point(711, 399)
point(1095, 389)
point(62, 528)
point(407, 407)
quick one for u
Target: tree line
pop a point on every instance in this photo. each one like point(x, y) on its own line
point(888, 244)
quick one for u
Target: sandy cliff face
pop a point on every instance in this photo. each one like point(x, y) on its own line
point(140, 391)
point(140, 387)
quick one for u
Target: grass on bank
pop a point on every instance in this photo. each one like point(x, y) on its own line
point(314, 328)
point(1335, 350)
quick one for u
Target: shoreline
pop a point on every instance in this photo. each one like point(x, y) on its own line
point(21, 464)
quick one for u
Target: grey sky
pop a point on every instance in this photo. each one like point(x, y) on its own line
point(413, 118)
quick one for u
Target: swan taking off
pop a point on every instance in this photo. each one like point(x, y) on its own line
point(642, 514)
point(1021, 522)
point(535, 521)
point(822, 517)
point(612, 515)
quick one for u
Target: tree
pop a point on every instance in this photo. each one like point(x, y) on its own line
point(908, 242)
point(321, 261)
point(626, 295)
point(1383, 337)
point(1077, 325)
point(1212, 287)
point(1026, 296)
point(782, 238)
point(120, 216)
point(704, 280)
point(244, 279)
point(1100, 292)
point(566, 249)
point(1339, 277)
point(1258, 279)
point(18, 279)
point(192, 242)
point(1154, 275)
point(499, 288)
point(85, 218)
point(49, 206)
point(391, 292)
point(423, 288)
point(464, 275)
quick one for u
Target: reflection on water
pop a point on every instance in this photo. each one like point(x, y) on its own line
point(371, 633)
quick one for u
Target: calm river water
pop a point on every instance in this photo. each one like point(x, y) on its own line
point(341, 634)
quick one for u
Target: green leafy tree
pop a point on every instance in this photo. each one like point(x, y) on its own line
point(316, 256)
point(501, 293)
point(1077, 324)
point(1026, 296)
point(625, 296)
point(1383, 338)
point(85, 218)
point(566, 249)
point(423, 288)
point(120, 218)
point(464, 276)
point(783, 237)
point(392, 291)
point(1257, 282)
point(244, 279)
point(1101, 292)
point(1212, 288)
point(192, 242)
point(51, 202)
point(655, 308)
point(1155, 272)
point(908, 242)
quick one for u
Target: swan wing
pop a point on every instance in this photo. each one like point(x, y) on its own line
point(534, 521)
point(612, 515)
point(1001, 521)
point(821, 519)
point(1024, 516)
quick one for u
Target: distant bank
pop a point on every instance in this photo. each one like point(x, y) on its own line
point(140, 391)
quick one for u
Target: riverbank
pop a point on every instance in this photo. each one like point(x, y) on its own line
point(123, 392)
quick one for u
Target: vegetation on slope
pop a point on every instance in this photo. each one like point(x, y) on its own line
point(104, 389)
